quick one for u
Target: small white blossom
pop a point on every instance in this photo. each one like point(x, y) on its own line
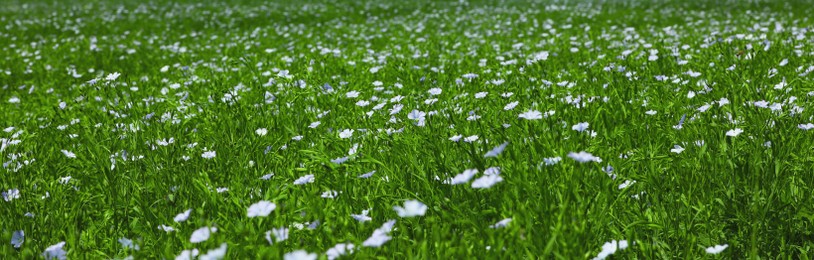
point(717, 249)
point(412, 208)
point(208, 154)
point(734, 132)
point(261, 209)
point(584, 157)
point(202, 234)
point(261, 131)
point(487, 181)
point(531, 115)
point(347, 133)
point(68, 154)
point(112, 76)
point(580, 127)
point(610, 248)
point(304, 179)
point(300, 254)
point(502, 223)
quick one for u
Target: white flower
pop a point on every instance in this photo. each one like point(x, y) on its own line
point(470, 139)
point(540, 56)
point(502, 223)
point(202, 234)
point(187, 254)
point(734, 132)
point(128, 244)
point(362, 217)
point(300, 255)
point(380, 235)
point(330, 194)
point(677, 149)
point(55, 252)
point(626, 184)
point(584, 157)
point(497, 150)
point(183, 216)
point(314, 124)
point(416, 115)
point(434, 91)
point(480, 95)
point(17, 238)
point(463, 177)
point(215, 254)
point(610, 248)
point(806, 127)
point(347, 133)
point(362, 103)
point(376, 240)
point(552, 160)
point(208, 154)
point(716, 249)
point(580, 127)
point(367, 175)
point(304, 179)
point(723, 101)
point(339, 250)
point(510, 106)
point(280, 234)
point(396, 109)
point(261, 131)
point(11, 194)
point(486, 181)
point(412, 208)
point(340, 160)
point(531, 115)
point(470, 76)
point(353, 149)
point(456, 138)
point(352, 94)
point(112, 76)
point(492, 171)
point(68, 154)
point(261, 209)
point(65, 180)
point(166, 228)
point(650, 112)
point(776, 107)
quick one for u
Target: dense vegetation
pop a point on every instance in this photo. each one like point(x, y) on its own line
point(406, 129)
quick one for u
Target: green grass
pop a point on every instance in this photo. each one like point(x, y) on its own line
point(219, 56)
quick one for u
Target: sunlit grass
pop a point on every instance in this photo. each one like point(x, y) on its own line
point(406, 130)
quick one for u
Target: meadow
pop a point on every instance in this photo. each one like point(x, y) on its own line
point(421, 129)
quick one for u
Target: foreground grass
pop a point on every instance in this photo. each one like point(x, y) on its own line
point(249, 80)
